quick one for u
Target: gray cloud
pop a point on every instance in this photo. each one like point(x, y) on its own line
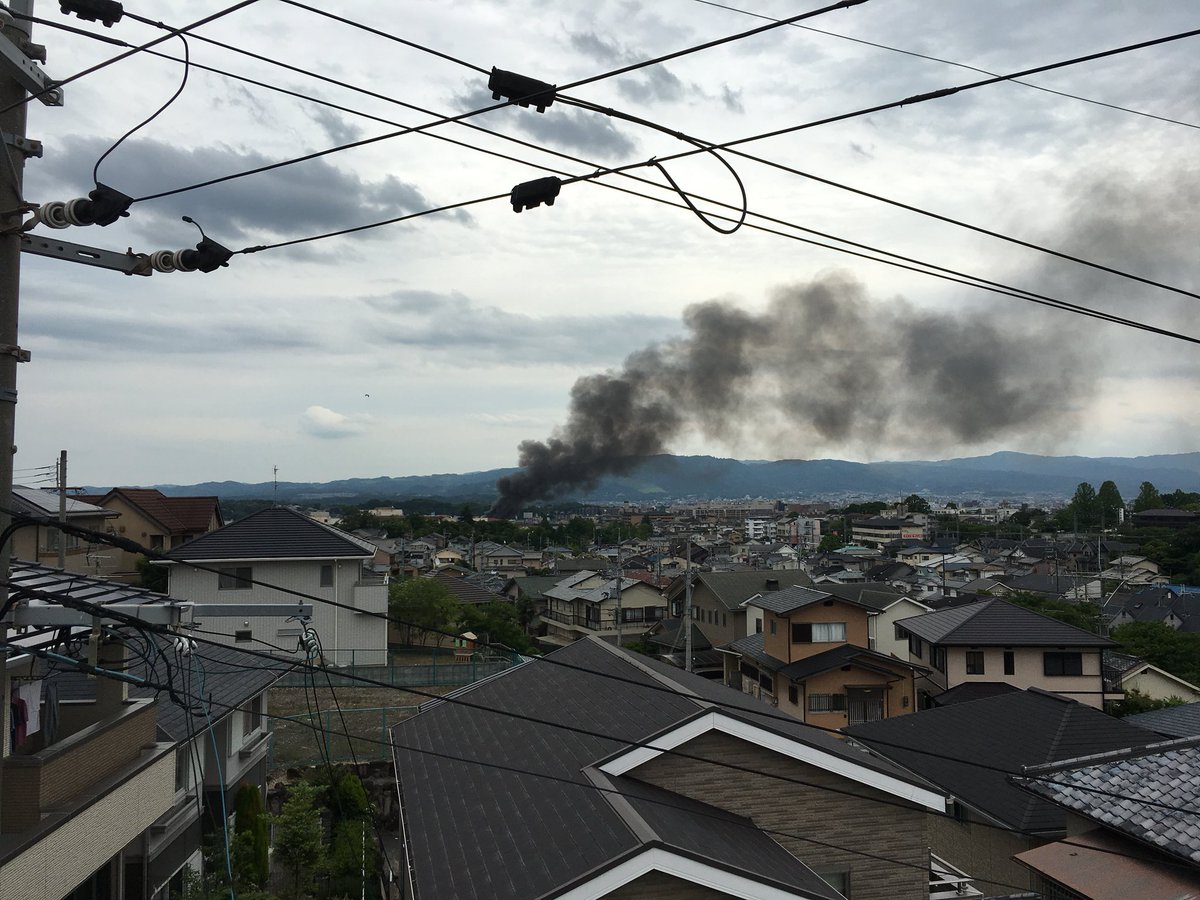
point(592, 45)
point(453, 323)
point(822, 366)
point(657, 84)
point(335, 125)
point(310, 197)
point(322, 422)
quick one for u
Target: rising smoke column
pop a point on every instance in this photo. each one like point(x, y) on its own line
point(822, 365)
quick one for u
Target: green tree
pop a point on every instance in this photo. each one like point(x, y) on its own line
point(251, 824)
point(152, 577)
point(1083, 512)
point(1109, 504)
point(1177, 652)
point(830, 541)
point(1147, 498)
point(299, 839)
point(915, 503)
point(499, 621)
point(1137, 702)
point(426, 607)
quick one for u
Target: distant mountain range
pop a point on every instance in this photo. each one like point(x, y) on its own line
point(660, 478)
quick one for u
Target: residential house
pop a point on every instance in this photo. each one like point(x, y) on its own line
point(1123, 673)
point(154, 520)
point(489, 556)
point(969, 750)
point(110, 786)
point(276, 558)
point(719, 600)
point(1131, 826)
point(1169, 605)
point(588, 603)
point(1165, 518)
point(812, 660)
point(41, 543)
point(994, 640)
point(633, 779)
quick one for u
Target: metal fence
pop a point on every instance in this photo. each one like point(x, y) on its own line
point(309, 738)
point(443, 670)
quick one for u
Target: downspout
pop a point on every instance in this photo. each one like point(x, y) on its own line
point(337, 566)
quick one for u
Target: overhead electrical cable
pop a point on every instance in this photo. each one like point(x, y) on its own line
point(22, 592)
point(908, 101)
point(445, 120)
point(703, 147)
point(172, 32)
point(960, 65)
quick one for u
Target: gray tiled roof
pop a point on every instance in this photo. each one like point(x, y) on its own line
point(733, 588)
point(478, 831)
point(998, 622)
point(1151, 795)
point(969, 749)
point(785, 601)
point(1172, 721)
point(273, 533)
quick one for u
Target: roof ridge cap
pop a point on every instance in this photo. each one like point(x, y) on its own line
point(653, 673)
point(1132, 752)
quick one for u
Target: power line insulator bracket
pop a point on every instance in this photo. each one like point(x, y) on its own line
point(16, 65)
point(531, 194)
point(129, 263)
point(521, 89)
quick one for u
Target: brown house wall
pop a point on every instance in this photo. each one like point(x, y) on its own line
point(780, 644)
point(984, 853)
point(839, 824)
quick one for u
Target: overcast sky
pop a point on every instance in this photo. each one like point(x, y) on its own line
point(441, 343)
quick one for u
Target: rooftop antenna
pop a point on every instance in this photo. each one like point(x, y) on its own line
point(275, 479)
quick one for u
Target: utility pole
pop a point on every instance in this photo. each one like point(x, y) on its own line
point(687, 606)
point(62, 508)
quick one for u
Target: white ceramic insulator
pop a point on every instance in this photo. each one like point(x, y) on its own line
point(163, 260)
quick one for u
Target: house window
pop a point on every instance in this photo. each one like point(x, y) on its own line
point(974, 662)
point(772, 626)
point(243, 636)
point(235, 579)
point(724, 621)
point(1062, 663)
point(821, 703)
point(937, 655)
point(327, 575)
point(252, 715)
point(793, 695)
point(183, 768)
point(818, 632)
point(758, 626)
point(1010, 663)
point(916, 646)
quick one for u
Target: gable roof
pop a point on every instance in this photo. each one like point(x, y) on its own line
point(733, 588)
point(45, 503)
point(273, 533)
point(970, 749)
point(1149, 794)
point(787, 600)
point(466, 820)
point(995, 622)
point(177, 515)
point(466, 591)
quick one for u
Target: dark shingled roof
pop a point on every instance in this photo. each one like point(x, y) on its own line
point(1172, 721)
point(789, 599)
point(996, 622)
point(1133, 792)
point(274, 533)
point(972, 748)
point(467, 823)
point(973, 690)
point(732, 588)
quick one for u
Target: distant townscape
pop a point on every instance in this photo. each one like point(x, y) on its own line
point(920, 697)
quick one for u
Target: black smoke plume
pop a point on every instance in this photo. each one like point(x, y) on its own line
point(821, 366)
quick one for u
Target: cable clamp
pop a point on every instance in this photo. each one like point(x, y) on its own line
point(521, 89)
point(27, 146)
point(107, 11)
point(531, 194)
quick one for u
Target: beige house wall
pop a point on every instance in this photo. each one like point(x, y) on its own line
point(793, 798)
point(1159, 687)
point(1029, 671)
point(56, 864)
point(780, 644)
